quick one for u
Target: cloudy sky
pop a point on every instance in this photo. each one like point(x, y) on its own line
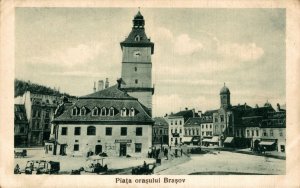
point(196, 51)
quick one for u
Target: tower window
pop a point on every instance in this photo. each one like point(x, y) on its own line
point(136, 81)
point(135, 69)
point(137, 38)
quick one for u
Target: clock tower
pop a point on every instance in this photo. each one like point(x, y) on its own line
point(136, 63)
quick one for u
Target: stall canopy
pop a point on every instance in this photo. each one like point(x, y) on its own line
point(215, 139)
point(196, 139)
point(228, 140)
point(266, 143)
point(187, 139)
point(206, 140)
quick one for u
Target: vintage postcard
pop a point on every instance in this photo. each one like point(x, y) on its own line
point(113, 93)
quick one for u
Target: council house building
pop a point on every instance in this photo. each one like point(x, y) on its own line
point(116, 120)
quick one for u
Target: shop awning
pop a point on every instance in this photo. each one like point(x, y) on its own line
point(228, 140)
point(196, 140)
point(187, 139)
point(206, 140)
point(266, 143)
point(215, 139)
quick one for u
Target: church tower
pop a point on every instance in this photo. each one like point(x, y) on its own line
point(136, 63)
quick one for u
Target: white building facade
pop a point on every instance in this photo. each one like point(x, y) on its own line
point(108, 121)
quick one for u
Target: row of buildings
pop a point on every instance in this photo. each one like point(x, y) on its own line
point(32, 118)
point(229, 126)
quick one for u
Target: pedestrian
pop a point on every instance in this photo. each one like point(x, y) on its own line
point(17, 169)
point(145, 165)
point(181, 152)
point(166, 151)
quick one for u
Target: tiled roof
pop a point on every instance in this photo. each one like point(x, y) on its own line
point(274, 120)
point(241, 107)
point(186, 114)
point(134, 32)
point(110, 97)
point(160, 121)
point(210, 112)
point(254, 121)
point(206, 119)
point(240, 113)
point(109, 93)
point(193, 122)
point(20, 114)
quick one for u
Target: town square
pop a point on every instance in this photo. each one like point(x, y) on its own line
point(207, 106)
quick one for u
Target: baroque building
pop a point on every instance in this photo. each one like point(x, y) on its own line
point(107, 121)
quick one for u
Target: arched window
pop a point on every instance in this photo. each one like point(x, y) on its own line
point(124, 112)
point(111, 111)
point(83, 111)
point(193, 131)
point(137, 38)
point(91, 130)
point(132, 112)
point(95, 111)
point(103, 111)
point(75, 111)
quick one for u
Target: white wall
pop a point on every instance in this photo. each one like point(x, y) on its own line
point(88, 142)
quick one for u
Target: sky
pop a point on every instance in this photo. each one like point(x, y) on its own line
point(196, 52)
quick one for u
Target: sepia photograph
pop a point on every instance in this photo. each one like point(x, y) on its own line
point(150, 91)
point(177, 93)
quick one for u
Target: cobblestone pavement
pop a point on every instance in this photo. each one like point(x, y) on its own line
point(224, 162)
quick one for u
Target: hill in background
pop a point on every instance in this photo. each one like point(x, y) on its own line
point(22, 86)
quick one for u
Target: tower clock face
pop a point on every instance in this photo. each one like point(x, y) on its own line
point(137, 53)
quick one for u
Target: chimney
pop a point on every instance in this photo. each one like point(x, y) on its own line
point(200, 113)
point(94, 89)
point(193, 110)
point(278, 107)
point(256, 106)
point(100, 85)
point(106, 83)
point(166, 115)
point(186, 108)
point(119, 81)
point(245, 105)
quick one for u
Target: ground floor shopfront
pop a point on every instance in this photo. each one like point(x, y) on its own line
point(114, 140)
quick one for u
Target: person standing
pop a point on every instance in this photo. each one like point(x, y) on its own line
point(181, 152)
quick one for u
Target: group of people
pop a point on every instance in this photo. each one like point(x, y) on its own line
point(157, 153)
point(154, 153)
